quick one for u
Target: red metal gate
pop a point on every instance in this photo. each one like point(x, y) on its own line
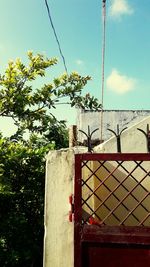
point(112, 210)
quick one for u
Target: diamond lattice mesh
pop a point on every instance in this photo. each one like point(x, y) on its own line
point(116, 192)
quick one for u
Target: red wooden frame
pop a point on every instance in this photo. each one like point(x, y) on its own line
point(84, 235)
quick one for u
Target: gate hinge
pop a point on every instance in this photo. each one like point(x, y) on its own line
point(71, 212)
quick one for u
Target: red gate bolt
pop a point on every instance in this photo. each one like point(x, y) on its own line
point(71, 199)
point(93, 221)
point(70, 216)
point(71, 212)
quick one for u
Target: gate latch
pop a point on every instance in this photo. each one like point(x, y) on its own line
point(71, 212)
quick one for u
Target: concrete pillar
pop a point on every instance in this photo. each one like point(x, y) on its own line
point(59, 237)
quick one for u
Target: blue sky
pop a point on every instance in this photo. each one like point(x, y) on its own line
point(24, 26)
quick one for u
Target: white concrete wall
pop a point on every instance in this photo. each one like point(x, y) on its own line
point(125, 118)
point(132, 140)
point(59, 241)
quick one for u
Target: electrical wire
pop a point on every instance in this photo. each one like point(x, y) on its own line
point(103, 67)
point(56, 37)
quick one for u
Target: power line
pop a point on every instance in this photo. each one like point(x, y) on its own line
point(55, 34)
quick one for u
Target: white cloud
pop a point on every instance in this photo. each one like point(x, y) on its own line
point(119, 8)
point(79, 62)
point(119, 83)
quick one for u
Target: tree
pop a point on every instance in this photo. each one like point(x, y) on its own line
point(22, 162)
point(31, 108)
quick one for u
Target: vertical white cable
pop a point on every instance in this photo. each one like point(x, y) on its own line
point(103, 66)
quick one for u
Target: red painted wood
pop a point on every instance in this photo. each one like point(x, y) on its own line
point(115, 246)
point(116, 235)
point(108, 246)
point(113, 156)
point(77, 214)
point(116, 256)
point(78, 192)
